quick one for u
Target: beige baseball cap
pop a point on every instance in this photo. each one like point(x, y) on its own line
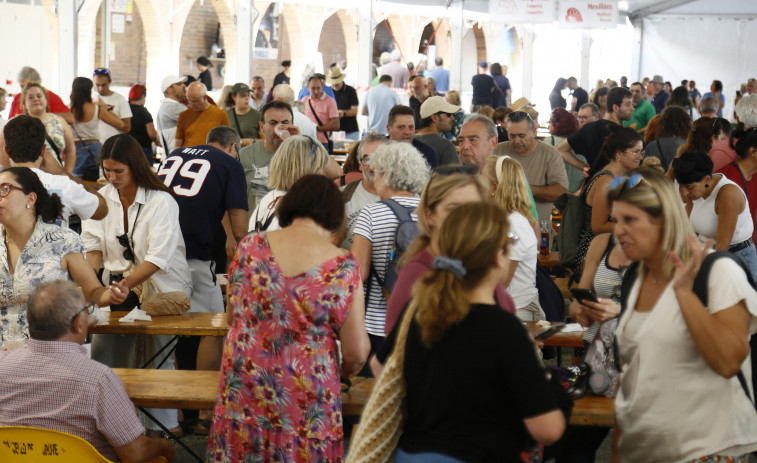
point(437, 104)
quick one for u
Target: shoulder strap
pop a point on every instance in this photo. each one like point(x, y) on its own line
point(592, 180)
point(743, 179)
point(315, 114)
point(54, 147)
point(402, 212)
point(236, 121)
point(349, 190)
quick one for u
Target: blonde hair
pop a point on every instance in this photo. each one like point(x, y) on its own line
point(472, 233)
point(512, 185)
point(226, 99)
point(29, 86)
point(434, 192)
point(454, 97)
point(656, 195)
point(653, 163)
point(296, 157)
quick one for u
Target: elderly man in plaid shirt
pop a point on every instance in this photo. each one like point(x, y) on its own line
point(52, 384)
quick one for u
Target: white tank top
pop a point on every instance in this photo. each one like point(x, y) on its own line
point(705, 220)
point(89, 130)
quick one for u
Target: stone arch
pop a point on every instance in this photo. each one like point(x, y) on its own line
point(382, 41)
point(478, 33)
point(340, 28)
point(128, 62)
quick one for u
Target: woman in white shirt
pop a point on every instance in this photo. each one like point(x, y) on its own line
point(718, 207)
point(138, 242)
point(679, 398)
point(510, 191)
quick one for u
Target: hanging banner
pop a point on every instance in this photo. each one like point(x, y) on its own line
point(588, 15)
point(522, 11)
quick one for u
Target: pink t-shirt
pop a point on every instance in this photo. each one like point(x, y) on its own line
point(325, 107)
point(412, 272)
point(722, 154)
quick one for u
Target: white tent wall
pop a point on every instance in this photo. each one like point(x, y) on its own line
point(700, 48)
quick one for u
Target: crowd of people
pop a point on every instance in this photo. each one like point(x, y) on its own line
point(422, 248)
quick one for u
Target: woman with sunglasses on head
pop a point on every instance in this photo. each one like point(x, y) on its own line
point(297, 156)
point(138, 243)
point(679, 399)
point(35, 250)
point(718, 208)
point(86, 127)
point(506, 405)
point(621, 151)
point(510, 191)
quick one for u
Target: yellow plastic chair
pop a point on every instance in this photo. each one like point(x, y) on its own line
point(21, 444)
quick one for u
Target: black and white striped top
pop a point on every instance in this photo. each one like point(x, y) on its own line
point(378, 224)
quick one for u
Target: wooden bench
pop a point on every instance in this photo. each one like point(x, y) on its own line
point(198, 390)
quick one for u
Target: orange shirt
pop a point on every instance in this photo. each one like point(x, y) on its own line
point(193, 126)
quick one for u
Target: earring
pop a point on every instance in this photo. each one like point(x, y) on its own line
point(706, 185)
point(28, 206)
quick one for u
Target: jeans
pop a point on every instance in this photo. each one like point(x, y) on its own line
point(749, 255)
point(148, 152)
point(424, 457)
point(84, 158)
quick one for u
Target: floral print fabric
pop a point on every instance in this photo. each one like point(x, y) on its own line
point(279, 396)
point(41, 260)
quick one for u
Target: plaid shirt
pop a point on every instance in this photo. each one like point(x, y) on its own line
point(54, 385)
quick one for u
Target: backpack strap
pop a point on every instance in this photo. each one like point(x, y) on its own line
point(629, 278)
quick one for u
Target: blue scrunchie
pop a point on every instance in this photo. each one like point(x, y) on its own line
point(453, 265)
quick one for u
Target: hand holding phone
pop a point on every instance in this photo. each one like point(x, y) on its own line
point(582, 294)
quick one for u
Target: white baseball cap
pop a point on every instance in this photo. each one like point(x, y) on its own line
point(170, 80)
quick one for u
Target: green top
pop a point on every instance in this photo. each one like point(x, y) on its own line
point(255, 160)
point(642, 114)
point(248, 124)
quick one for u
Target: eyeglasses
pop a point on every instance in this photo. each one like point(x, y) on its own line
point(89, 308)
point(6, 188)
point(365, 159)
point(123, 240)
point(101, 72)
point(636, 152)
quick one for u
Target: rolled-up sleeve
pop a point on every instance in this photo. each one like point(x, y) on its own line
point(165, 232)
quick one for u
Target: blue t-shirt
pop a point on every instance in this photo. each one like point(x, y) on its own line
point(305, 92)
point(206, 182)
point(722, 98)
point(441, 78)
point(380, 100)
point(659, 101)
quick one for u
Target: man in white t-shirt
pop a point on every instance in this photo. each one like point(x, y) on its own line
point(361, 193)
point(285, 93)
point(174, 90)
point(25, 145)
point(115, 102)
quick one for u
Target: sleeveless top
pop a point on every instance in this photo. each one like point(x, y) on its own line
point(587, 234)
point(705, 221)
point(89, 130)
point(607, 283)
point(54, 130)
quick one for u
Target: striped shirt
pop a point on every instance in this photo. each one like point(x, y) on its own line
point(54, 385)
point(378, 224)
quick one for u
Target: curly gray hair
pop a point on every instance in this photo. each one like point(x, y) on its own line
point(402, 166)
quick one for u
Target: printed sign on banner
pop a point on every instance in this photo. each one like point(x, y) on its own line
point(522, 11)
point(588, 15)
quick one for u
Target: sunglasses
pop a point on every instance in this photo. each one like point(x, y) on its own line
point(101, 72)
point(624, 182)
point(6, 188)
point(89, 308)
point(123, 240)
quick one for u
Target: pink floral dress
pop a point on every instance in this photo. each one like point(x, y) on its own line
point(279, 397)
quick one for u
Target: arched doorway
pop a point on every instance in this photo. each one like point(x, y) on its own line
point(382, 42)
point(331, 44)
point(127, 52)
point(202, 36)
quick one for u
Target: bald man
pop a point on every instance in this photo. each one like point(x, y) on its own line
point(199, 119)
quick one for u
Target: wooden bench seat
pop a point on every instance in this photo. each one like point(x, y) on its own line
point(198, 390)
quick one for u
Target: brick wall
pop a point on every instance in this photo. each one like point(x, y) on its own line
point(268, 68)
point(332, 42)
point(199, 35)
point(127, 65)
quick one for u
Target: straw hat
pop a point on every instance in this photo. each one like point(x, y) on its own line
point(335, 75)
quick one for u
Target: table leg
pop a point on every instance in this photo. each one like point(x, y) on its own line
point(171, 435)
point(175, 338)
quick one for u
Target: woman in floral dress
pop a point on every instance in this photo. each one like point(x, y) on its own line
point(292, 294)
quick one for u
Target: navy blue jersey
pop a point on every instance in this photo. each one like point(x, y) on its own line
point(206, 182)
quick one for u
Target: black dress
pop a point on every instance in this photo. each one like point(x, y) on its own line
point(206, 78)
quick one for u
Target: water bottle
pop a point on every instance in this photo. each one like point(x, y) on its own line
point(544, 225)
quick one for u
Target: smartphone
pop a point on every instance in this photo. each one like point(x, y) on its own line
point(584, 294)
point(554, 329)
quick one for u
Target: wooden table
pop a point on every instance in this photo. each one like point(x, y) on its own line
point(553, 260)
point(573, 339)
point(188, 324)
point(198, 390)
